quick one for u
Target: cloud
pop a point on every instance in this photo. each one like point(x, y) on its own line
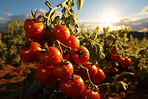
point(23, 17)
point(145, 10)
point(137, 24)
point(1, 19)
point(143, 29)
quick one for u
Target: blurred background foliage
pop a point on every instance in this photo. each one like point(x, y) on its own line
point(10, 41)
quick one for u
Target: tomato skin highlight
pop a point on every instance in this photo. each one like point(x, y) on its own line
point(72, 88)
point(63, 71)
point(51, 57)
point(83, 57)
point(45, 76)
point(99, 77)
point(125, 62)
point(72, 42)
point(32, 28)
point(30, 54)
point(89, 94)
point(61, 32)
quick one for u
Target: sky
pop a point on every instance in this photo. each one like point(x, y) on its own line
point(102, 13)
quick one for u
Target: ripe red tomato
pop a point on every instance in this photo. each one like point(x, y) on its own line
point(113, 70)
point(63, 70)
point(109, 63)
point(115, 58)
point(30, 54)
point(61, 32)
point(92, 69)
point(72, 88)
point(32, 28)
point(45, 76)
point(72, 42)
point(114, 50)
point(51, 57)
point(89, 94)
point(99, 77)
point(80, 56)
point(125, 62)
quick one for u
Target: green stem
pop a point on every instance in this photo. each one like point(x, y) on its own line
point(52, 9)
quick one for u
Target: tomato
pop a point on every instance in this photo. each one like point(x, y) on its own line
point(92, 69)
point(30, 54)
point(109, 64)
point(72, 42)
point(45, 76)
point(72, 88)
point(80, 56)
point(115, 58)
point(63, 70)
point(113, 70)
point(89, 94)
point(125, 62)
point(61, 32)
point(99, 76)
point(114, 50)
point(32, 28)
point(51, 57)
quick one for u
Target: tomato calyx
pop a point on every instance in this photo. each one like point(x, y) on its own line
point(93, 87)
point(80, 52)
point(64, 62)
point(72, 77)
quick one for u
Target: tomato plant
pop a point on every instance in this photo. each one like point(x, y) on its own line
point(80, 56)
point(63, 70)
point(70, 63)
point(50, 57)
point(45, 76)
point(125, 62)
point(72, 88)
point(89, 94)
point(61, 32)
point(31, 53)
point(32, 28)
point(99, 76)
point(72, 42)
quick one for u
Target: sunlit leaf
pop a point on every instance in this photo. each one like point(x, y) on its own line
point(80, 4)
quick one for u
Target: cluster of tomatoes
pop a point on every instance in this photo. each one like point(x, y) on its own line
point(64, 68)
point(114, 57)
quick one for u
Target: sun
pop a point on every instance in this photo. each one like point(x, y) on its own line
point(110, 18)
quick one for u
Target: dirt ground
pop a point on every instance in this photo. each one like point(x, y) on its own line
point(11, 77)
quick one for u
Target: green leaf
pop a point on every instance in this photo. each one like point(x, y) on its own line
point(80, 4)
point(56, 20)
point(72, 21)
point(70, 4)
point(96, 30)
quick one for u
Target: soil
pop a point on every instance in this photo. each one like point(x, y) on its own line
point(11, 77)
